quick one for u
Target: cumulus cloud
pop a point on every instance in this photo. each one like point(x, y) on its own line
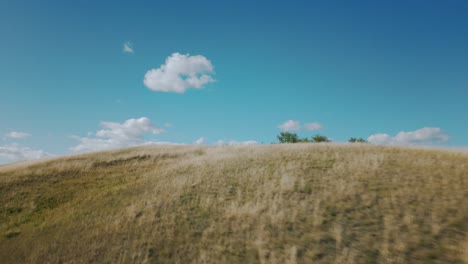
point(313, 126)
point(234, 143)
point(128, 47)
point(420, 136)
point(179, 73)
point(118, 135)
point(15, 152)
point(290, 125)
point(17, 135)
point(200, 141)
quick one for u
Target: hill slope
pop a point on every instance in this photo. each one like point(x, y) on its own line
point(301, 203)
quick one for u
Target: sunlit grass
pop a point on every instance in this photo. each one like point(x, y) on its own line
point(300, 203)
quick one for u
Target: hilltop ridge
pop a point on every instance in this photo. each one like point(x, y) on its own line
point(286, 203)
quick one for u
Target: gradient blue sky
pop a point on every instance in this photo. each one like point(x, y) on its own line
point(356, 67)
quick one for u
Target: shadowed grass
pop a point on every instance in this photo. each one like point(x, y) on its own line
point(301, 203)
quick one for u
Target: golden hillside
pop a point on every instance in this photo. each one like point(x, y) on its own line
point(299, 203)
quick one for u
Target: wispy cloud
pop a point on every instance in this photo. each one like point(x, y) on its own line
point(179, 73)
point(294, 125)
point(118, 135)
point(17, 135)
point(128, 47)
point(234, 143)
point(424, 135)
point(313, 126)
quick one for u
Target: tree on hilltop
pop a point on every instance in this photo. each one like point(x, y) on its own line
point(357, 140)
point(319, 138)
point(287, 137)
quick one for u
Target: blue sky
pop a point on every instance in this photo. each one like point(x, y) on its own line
point(370, 69)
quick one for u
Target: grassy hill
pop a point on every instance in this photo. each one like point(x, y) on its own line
point(300, 203)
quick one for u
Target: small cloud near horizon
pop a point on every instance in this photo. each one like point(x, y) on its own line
point(235, 143)
point(290, 125)
point(15, 152)
point(200, 141)
point(312, 126)
point(426, 135)
point(118, 135)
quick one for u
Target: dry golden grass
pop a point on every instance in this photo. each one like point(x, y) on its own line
point(301, 203)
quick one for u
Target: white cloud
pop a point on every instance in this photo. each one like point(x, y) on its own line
point(179, 73)
point(290, 125)
point(17, 135)
point(168, 124)
point(234, 143)
point(313, 126)
point(163, 143)
point(200, 141)
point(15, 152)
point(380, 139)
point(421, 136)
point(118, 135)
point(128, 47)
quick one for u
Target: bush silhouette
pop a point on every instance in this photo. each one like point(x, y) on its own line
point(357, 140)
